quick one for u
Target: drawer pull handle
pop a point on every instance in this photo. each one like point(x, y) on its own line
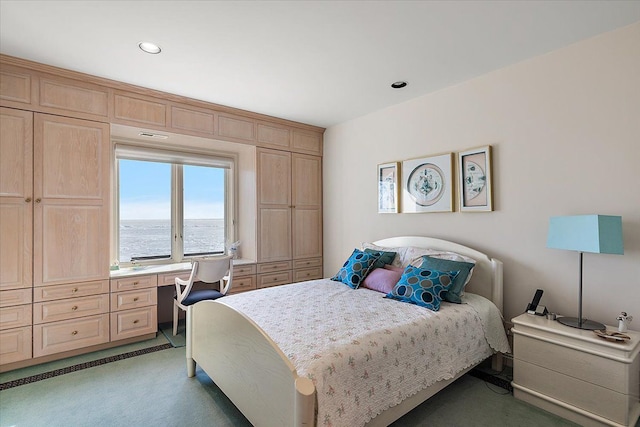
point(135, 299)
point(28, 200)
point(38, 200)
point(74, 290)
point(135, 321)
point(74, 333)
point(275, 278)
point(74, 308)
point(135, 283)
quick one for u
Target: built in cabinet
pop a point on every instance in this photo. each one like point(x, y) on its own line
point(289, 217)
point(56, 296)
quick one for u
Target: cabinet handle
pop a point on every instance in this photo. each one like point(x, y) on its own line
point(135, 283)
point(74, 333)
point(135, 299)
point(135, 321)
point(74, 308)
point(38, 200)
point(74, 290)
point(28, 200)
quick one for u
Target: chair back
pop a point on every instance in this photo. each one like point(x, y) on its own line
point(216, 269)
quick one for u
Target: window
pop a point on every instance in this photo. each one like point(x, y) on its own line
point(171, 206)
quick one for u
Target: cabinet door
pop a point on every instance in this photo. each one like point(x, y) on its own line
point(307, 206)
point(71, 211)
point(274, 177)
point(274, 205)
point(16, 194)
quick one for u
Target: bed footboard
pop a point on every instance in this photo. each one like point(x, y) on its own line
point(247, 366)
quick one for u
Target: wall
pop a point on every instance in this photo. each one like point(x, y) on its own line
point(565, 131)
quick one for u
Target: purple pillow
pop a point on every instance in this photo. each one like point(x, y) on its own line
point(382, 280)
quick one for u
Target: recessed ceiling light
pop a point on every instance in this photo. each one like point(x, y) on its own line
point(149, 47)
point(398, 84)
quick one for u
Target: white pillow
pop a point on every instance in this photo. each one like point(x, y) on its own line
point(397, 261)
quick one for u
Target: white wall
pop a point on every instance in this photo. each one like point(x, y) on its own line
point(565, 131)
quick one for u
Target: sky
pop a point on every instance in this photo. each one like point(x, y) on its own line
point(145, 191)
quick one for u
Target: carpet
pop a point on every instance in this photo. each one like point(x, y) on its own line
point(179, 340)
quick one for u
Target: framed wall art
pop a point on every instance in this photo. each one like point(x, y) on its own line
point(388, 193)
point(427, 184)
point(474, 170)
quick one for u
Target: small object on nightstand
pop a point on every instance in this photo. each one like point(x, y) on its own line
point(551, 316)
point(612, 336)
point(623, 321)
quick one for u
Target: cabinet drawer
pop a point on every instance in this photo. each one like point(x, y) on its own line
point(71, 308)
point(15, 345)
point(273, 279)
point(135, 282)
point(242, 284)
point(15, 297)
point(169, 279)
point(71, 290)
point(274, 266)
point(134, 299)
point(132, 323)
point(15, 317)
point(581, 394)
point(306, 263)
point(56, 337)
point(307, 274)
point(578, 364)
point(244, 270)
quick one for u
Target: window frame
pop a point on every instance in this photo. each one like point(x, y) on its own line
point(192, 157)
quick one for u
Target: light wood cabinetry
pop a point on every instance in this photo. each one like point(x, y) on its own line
point(54, 222)
point(289, 215)
point(575, 374)
point(244, 278)
point(134, 303)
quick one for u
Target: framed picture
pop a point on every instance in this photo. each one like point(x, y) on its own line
point(427, 184)
point(474, 170)
point(388, 193)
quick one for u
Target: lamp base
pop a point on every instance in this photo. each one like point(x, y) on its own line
point(574, 322)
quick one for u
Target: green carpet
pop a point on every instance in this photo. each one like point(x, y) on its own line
point(180, 340)
point(153, 389)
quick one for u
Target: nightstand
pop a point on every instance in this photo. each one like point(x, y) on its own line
point(575, 374)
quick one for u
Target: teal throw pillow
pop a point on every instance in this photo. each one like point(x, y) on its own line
point(384, 257)
point(422, 287)
point(356, 268)
point(453, 294)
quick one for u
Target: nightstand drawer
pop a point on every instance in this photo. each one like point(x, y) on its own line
point(574, 363)
point(581, 394)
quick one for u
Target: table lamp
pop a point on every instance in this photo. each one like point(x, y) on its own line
point(601, 234)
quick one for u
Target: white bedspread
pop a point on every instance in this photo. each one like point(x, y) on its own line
point(366, 353)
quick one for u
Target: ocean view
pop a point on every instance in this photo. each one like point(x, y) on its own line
point(145, 238)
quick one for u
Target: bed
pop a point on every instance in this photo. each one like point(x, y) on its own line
point(281, 356)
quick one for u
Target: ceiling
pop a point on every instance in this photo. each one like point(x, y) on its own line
point(316, 62)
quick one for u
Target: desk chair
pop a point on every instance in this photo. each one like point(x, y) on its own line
point(208, 270)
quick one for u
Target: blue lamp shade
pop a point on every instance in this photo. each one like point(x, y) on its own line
point(586, 233)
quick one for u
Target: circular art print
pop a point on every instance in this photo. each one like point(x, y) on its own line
point(426, 184)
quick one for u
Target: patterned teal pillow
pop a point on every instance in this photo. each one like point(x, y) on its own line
point(385, 257)
point(464, 268)
point(422, 287)
point(356, 268)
